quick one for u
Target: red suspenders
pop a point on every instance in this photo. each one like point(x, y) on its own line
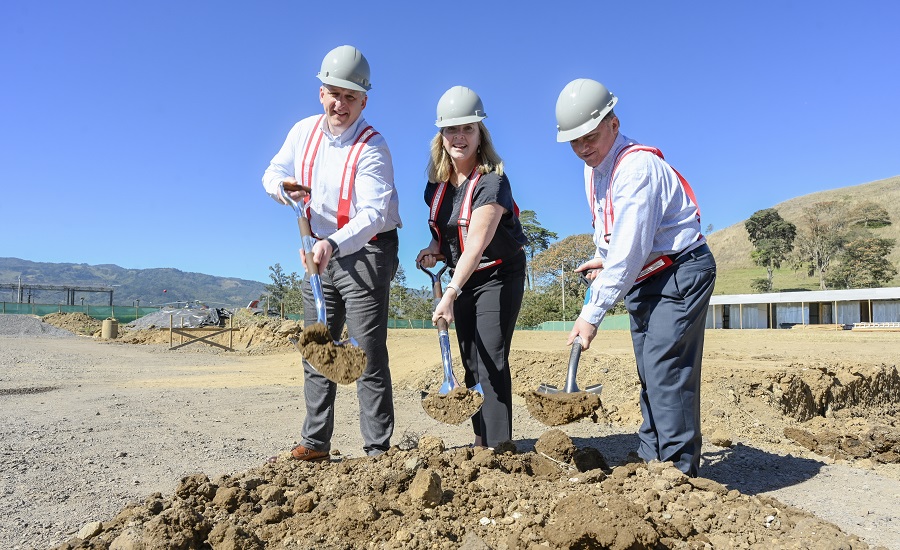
point(351, 165)
point(465, 214)
point(661, 262)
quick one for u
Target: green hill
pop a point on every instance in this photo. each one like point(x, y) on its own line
point(129, 285)
point(732, 248)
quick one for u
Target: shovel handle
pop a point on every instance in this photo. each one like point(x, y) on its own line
point(572, 373)
point(437, 290)
point(306, 243)
point(305, 238)
point(293, 186)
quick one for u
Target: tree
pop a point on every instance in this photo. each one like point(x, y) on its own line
point(864, 264)
point(285, 289)
point(538, 241)
point(870, 214)
point(554, 268)
point(406, 303)
point(821, 237)
point(539, 306)
point(772, 238)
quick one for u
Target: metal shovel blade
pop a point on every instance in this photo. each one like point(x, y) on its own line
point(571, 374)
point(450, 382)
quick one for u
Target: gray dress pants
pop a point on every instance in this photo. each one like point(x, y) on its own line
point(357, 292)
point(668, 321)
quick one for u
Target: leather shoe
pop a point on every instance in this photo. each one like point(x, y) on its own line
point(302, 453)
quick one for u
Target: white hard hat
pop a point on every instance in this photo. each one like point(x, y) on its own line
point(459, 105)
point(580, 107)
point(346, 67)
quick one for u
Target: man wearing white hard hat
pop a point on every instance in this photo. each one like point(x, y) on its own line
point(651, 253)
point(353, 211)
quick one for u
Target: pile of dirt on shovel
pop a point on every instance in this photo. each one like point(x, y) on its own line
point(457, 406)
point(341, 363)
point(425, 496)
point(556, 409)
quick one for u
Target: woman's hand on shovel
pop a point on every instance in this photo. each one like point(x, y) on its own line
point(444, 309)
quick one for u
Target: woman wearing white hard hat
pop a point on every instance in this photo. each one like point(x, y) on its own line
point(474, 224)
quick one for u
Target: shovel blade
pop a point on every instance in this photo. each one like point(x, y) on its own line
point(550, 388)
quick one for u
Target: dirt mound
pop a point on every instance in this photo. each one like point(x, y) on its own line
point(430, 497)
point(251, 335)
point(79, 323)
point(848, 437)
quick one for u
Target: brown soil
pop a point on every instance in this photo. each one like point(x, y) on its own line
point(432, 497)
point(340, 363)
point(457, 406)
point(798, 399)
point(79, 323)
point(556, 409)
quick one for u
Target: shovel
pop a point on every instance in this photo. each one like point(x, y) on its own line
point(450, 381)
point(571, 386)
point(307, 240)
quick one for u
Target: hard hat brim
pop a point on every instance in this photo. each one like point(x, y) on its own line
point(563, 136)
point(341, 83)
point(459, 120)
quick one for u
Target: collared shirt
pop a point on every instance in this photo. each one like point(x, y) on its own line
point(374, 203)
point(652, 216)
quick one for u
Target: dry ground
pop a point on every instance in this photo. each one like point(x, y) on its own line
point(801, 450)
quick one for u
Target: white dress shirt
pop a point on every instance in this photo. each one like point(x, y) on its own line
point(652, 216)
point(374, 203)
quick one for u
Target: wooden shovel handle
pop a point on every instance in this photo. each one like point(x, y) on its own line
point(292, 186)
point(305, 233)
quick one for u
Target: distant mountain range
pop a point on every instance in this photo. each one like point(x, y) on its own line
point(151, 286)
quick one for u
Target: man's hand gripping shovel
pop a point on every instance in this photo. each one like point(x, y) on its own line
point(553, 406)
point(453, 403)
point(335, 360)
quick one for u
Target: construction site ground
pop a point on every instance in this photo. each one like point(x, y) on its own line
point(127, 444)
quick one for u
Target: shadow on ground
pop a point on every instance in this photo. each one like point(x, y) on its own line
point(747, 469)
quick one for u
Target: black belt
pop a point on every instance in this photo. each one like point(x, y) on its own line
point(386, 236)
point(693, 253)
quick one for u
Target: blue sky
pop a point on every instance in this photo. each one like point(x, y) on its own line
point(136, 133)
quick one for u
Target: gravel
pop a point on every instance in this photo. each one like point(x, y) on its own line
point(88, 426)
point(30, 326)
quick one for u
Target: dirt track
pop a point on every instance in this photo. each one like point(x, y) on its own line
point(89, 426)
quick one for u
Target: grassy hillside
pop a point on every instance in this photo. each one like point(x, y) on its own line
point(731, 246)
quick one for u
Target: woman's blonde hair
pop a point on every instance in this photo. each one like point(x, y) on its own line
point(439, 165)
